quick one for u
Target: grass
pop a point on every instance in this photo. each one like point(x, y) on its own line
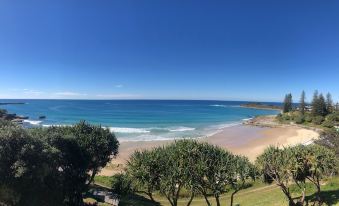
point(259, 194)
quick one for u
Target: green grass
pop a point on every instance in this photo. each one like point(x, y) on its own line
point(259, 195)
point(103, 181)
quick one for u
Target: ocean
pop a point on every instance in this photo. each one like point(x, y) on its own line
point(134, 120)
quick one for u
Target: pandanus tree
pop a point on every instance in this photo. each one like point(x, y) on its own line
point(144, 169)
point(297, 164)
point(242, 171)
point(322, 163)
point(273, 165)
point(199, 168)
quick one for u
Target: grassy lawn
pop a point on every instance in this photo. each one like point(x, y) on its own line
point(259, 194)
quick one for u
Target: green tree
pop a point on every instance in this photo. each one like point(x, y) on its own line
point(319, 107)
point(315, 102)
point(321, 163)
point(330, 139)
point(52, 166)
point(288, 103)
point(329, 103)
point(144, 169)
point(273, 164)
point(243, 170)
point(302, 105)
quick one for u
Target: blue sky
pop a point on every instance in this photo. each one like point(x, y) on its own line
point(110, 49)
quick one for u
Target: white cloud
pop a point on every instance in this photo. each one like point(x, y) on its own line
point(119, 86)
point(69, 94)
point(33, 92)
point(117, 96)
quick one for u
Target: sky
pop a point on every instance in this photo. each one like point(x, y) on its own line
point(168, 49)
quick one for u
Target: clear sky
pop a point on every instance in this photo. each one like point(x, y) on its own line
point(191, 49)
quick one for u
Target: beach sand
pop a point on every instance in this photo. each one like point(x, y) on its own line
point(247, 140)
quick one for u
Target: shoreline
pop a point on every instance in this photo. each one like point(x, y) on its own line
point(245, 139)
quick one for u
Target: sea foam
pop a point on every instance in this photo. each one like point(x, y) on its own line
point(32, 122)
point(128, 130)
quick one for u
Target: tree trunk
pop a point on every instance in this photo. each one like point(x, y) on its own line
point(206, 199)
point(191, 199)
point(217, 200)
point(318, 194)
point(150, 195)
point(232, 197)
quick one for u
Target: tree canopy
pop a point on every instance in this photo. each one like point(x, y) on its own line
point(52, 166)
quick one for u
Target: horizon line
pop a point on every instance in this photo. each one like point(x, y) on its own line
point(146, 99)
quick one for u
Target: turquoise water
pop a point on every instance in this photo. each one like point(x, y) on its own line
point(139, 119)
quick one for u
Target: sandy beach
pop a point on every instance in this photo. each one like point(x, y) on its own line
point(249, 139)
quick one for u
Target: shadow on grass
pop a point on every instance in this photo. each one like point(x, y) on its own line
point(330, 197)
point(135, 199)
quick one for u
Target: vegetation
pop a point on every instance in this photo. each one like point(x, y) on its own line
point(297, 164)
point(288, 103)
point(191, 167)
point(51, 166)
point(320, 113)
point(258, 105)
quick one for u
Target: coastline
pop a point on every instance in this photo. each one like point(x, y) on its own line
point(249, 139)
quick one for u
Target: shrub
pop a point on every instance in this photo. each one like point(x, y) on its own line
point(333, 117)
point(121, 185)
point(318, 120)
point(308, 118)
point(328, 124)
point(299, 119)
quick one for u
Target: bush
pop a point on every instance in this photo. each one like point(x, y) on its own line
point(333, 117)
point(121, 185)
point(328, 124)
point(318, 120)
point(299, 119)
point(308, 118)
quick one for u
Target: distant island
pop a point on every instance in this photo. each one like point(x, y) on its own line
point(10, 103)
point(258, 105)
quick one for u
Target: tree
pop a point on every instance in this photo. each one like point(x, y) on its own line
point(302, 105)
point(287, 107)
point(26, 168)
point(144, 169)
point(176, 172)
point(330, 140)
point(217, 167)
point(329, 103)
point(51, 166)
point(315, 110)
point(319, 107)
point(298, 163)
point(321, 163)
point(273, 164)
point(84, 149)
point(243, 170)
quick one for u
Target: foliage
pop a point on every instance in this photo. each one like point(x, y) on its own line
point(299, 163)
point(319, 106)
point(143, 169)
point(198, 168)
point(302, 105)
point(328, 124)
point(317, 120)
point(121, 185)
point(330, 139)
point(51, 166)
point(287, 107)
